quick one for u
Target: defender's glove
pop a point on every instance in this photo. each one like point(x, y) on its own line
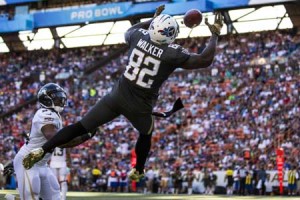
point(217, 26)
point(8, 168)
point(159, 10)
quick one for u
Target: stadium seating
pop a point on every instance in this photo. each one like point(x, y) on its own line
point(23, 73)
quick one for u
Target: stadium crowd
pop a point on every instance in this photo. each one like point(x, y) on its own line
point(236, 114)
point(21, 74)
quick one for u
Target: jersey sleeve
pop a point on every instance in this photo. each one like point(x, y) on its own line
point(131, 36)
point(177, 55)
point(45, 117)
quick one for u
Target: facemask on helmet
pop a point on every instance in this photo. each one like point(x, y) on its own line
point(52, 96)
point(163, 29)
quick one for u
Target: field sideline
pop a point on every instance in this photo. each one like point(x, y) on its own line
point(133, 196)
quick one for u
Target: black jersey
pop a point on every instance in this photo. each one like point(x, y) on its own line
point(148, 67)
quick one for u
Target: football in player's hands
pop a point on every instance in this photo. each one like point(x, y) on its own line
point(192, 18)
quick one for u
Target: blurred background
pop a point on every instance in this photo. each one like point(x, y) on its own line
point(237, 113)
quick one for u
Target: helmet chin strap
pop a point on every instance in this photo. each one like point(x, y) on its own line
point(58, 109)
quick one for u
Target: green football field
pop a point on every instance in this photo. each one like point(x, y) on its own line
point(133, 196)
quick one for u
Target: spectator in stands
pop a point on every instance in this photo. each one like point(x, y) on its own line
point(171, 184)
point(177, 177)
point(124, 181)
point(248, 183)
point(74, 181)
point(164, 182)
point(292, 180)
point(229, 179)
point(212, 181)
point(149, 177)
point(10, 183)
point(236, 178)
point(269, 185)
point(102, 183)
point(83, 172)
point(113, 179)
point(96, 173)
point(261, 176)
point(206, 182)
point(156, 183)
point(242, 172)
point(123, 148)
point(190, 177)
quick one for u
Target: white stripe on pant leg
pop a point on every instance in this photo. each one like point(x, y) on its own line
point(29, 183)
point(152, 125)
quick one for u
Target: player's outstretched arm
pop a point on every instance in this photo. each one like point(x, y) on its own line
point(205, 59)
point(144, 25)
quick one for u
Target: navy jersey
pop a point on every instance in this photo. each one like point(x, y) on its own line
point(148, 67)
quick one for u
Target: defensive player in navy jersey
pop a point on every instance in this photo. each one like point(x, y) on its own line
point(152, 58)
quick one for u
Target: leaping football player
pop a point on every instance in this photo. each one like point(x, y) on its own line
point(152, 58)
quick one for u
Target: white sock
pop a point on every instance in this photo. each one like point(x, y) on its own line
point(64, 190)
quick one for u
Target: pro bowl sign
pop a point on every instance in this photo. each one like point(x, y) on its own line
point(83, 14)
point(102, 12)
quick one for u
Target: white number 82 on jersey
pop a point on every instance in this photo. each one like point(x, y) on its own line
point(135, 72)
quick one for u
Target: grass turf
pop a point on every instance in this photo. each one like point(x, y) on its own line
point(134, 196)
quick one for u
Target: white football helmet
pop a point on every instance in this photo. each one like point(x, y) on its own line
point(163, 29)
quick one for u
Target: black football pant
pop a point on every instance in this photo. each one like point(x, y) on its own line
point(110, 107)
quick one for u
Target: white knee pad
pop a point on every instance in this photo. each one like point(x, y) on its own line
point(53, 183)
point(35, 185)
point(53, 192)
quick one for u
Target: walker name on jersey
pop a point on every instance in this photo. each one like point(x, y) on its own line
point(150, 48)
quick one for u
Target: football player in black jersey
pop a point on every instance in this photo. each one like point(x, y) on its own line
point(152, 58)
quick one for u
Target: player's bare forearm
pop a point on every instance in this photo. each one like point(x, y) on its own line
point(204, 59)
point(64, 136)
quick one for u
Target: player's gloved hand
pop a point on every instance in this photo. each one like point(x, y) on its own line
point(8, 169)
point(218, 24)
point(159, 10)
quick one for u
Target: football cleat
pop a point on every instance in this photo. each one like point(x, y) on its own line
point(10, 197)
point(134, 175)
point(33, 157)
